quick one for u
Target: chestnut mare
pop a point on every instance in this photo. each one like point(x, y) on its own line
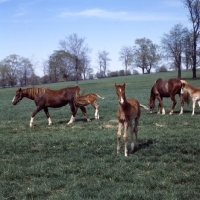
point(167, 88)
point(45, 98)
point(193, 92)
point(84, 100)
point(128, 110)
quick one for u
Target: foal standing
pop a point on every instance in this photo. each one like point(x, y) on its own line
point(128, 110)
point(193, 92)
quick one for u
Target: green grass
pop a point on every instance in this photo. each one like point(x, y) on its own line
point(79, 161)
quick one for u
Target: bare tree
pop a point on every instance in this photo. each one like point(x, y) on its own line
point(194, 16)
point(3, 75)
point(126, 56)
point(12, 64)
point(103, 60)
point(76, 48)
point(188, 49)
point(86, 69)
point(173, 46)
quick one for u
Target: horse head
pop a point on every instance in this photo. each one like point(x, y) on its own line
point(151, 105)
point(18, 96)
point(183, 86)
point(120, 90)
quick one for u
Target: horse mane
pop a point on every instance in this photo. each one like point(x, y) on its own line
point(158, 80)
point(32, 92)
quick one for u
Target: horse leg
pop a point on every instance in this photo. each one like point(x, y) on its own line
point(120, 126)
point(136, 131)
point(73, 111)
point(126, 125)
point(132, 137)
point(33, 115)
point(83, 109)
point(160, 105)
point(174, 104)
point(193, 106)
point(182, 103)
point(48, 115)
point(96, 107)
point(199, 103)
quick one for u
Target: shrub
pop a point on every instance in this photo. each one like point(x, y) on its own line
point(135, 72)
point(113, 74)
point(163, 69)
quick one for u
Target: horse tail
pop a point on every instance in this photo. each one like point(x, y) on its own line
point(143, 106)
point(100, 96)
point(186, 97)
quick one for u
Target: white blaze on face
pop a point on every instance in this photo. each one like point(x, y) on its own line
point(13, 99)
point(121, 100)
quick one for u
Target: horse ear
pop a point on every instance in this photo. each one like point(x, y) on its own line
point(20, 89)
point(115, 85)
point(124, 85)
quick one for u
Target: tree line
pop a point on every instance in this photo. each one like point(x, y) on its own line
point(72, 60)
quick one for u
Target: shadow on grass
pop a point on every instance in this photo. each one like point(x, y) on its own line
point(141, 146)
point(77, 120)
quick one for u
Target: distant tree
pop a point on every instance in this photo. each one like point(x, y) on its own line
point(86, 69)
point(126, 56)
point(145, 54)
point(25, 71)
point(173, 46)
point(162, 69)
point(3, 75)
point(188, 50)
point(135, 72)
point(121, 73)
point(194, 16)
point(114, 74)
point(103, 61)
point(12, 64)
point(77, 49)
point(60, 66)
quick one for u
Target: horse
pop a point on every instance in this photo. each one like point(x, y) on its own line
point(193, 92)
point(128, 110)
point(84, 100)
point(167, 88)
point(45, 97)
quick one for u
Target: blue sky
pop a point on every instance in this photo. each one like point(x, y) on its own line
point(33, 28)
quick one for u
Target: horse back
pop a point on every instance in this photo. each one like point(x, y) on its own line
point(55, 98)
point(135, 107)
point(130, 111)
point(166, 88)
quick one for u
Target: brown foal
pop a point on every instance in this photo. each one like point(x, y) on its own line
point(128, 110)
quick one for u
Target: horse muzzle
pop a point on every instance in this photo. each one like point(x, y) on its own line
point(15, 102)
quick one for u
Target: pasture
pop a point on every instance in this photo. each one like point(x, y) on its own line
point(80, 161)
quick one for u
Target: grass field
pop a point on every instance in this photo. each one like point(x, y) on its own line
point(79, 161)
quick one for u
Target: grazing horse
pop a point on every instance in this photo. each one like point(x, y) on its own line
point(88, 99)
point(44, 98)
point(193, 92)
point(128, 110)
point(167, 88)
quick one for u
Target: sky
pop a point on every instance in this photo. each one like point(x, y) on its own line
point(33, 28)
